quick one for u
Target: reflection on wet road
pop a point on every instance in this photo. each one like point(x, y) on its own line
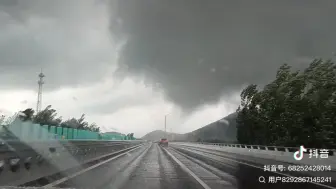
point(175, 167)
point(247, 175)
point(156, 170)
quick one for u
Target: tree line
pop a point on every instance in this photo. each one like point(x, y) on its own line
point(130, 135)
point(296, 108)
point(48, 116)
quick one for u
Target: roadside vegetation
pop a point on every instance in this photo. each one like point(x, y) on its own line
point(48, 116)
point(298, 107)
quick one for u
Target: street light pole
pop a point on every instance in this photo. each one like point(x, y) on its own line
point(165, 123)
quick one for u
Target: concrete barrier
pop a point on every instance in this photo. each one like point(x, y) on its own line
point(22, 162)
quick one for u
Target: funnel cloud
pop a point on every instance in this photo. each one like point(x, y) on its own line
point(196, 51)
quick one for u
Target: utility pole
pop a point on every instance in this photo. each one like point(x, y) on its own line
point(39, 94)
point(165, 123)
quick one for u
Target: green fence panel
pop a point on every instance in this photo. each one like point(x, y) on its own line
point(105, 137)
point(36, 132)
point(81, 134)
point(65, 133)
point(48, 129)
point(78, 134)
point(45, 132)
point(33, 131)
point(70, 133)
point(14, 129)
point(59, 131)
point(26, 131)
point(97, 135)
point(75, 133)
point(93, 135)
point(87, 135)
point(52, 132)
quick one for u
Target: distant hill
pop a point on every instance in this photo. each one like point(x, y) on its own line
point(158, 134)
point(223, 130)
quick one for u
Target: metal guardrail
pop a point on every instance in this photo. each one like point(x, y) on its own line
point(331, 152)
point(22, 162)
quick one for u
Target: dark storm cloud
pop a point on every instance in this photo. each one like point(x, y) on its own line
point(196, 50)
point(61, 37)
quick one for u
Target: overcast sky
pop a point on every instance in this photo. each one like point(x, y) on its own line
point(126, 64)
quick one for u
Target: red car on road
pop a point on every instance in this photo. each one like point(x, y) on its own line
point(163, 142)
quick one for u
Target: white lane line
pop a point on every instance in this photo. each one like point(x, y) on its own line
point(282, 174)
point(185, 168)
point(125, 175)
point(57, 182)
point(212, 169)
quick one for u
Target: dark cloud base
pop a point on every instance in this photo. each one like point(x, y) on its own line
point(196, 50)
point(192, 50)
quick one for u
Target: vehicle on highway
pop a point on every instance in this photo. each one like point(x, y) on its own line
point(163, 142)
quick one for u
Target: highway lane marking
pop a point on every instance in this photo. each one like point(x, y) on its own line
point(186, 169)
point(283, 174)
point(125, 174)
point(221, 174)
point(57, 182)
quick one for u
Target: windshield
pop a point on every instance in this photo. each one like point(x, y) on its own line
point(167, 94)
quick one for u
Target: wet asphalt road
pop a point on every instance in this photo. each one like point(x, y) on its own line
point(151, 167)
point(247, 176)
point(156, 170)
point(147, 168)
